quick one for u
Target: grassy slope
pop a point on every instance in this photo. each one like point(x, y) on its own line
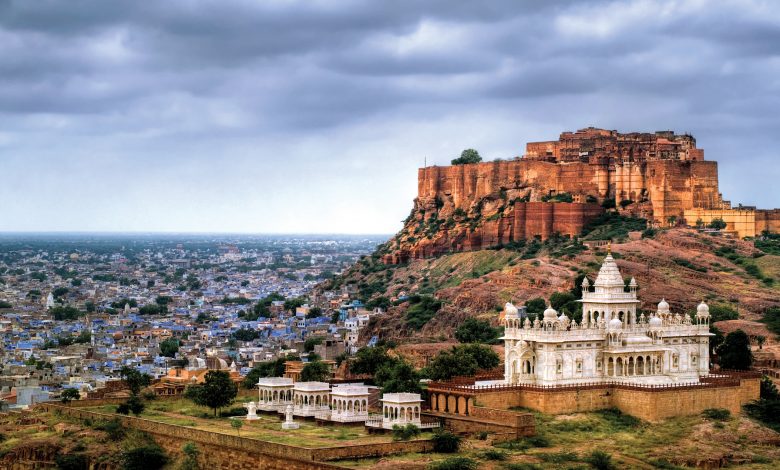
point(674, 443)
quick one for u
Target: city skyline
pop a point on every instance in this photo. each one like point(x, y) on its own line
point(301, 117)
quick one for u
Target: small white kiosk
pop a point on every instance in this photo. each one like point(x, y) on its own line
point(349, 403)
point(400, 409)
point(275, 393)
point(310, 398)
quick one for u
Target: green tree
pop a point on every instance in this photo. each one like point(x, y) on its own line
point(134, 379)
point(309, 344)
point(273, 368)
point(316, 371)
point(150, 309)
point(467, 156)
point(246, 334)
point(734, 352)
point(398, 377)
point(59, 292)
point(369, 359)
point(169, 347)
point(190, 461)
point(236, 424)
point(473, 330)
point(69, 394)
point(537, 305)
point(462, 360)
point(717, 224)
point(65, 312)
point(217, 391)
point(445, 442)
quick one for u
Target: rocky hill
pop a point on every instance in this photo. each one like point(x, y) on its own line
point(428, 298)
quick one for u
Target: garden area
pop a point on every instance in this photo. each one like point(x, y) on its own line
point(183, 412)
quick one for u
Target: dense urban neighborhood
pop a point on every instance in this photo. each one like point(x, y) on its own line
point(77, 309)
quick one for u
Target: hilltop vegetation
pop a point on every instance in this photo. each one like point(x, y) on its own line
point(427, 299)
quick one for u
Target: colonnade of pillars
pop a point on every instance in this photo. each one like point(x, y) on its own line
point(631, 365)
point(342, 405)
point(401, 413)
point(450, 403)
point(275, 396)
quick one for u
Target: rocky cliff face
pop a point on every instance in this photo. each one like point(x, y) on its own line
point(481, 205)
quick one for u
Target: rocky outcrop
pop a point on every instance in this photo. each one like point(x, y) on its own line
point(556, 187)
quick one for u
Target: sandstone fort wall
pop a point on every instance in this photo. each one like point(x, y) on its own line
point(650, 404)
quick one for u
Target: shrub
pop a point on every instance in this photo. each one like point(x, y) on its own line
point(445, 442)
point(522, 466)
point(113, 429)
point(492, 454)
point(404, 433)
point(717, 414)
point(454, 463)
point(476, 331)
point(234, 411)
point(538, 441)
point(617, 419)
point(422, 308)
point(558, 457)
point(72, 462)
point(123, 408)
point(600, 460)
point(663, 464)
point(190, 461)
point(518, 444)
point(147, 457)
point(766, 411)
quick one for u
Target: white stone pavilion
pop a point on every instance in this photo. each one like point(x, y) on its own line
point(311, 398)
point(349, 403)
point(400, 409)
point(275, 393)
point(612, 343)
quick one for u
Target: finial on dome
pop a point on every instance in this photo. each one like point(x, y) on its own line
point(609, 247)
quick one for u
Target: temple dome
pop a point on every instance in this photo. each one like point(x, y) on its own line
point(655, 321)
point(703, 310)
point(510, 310)
point(663, 306)
point(550, 314)
point(609, 274)
point(615, 324)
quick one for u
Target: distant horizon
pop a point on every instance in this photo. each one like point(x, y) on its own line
point(275, 234)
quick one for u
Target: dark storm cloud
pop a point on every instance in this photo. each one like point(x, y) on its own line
point(325, 89)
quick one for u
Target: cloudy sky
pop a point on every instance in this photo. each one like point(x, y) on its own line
point(313, 116)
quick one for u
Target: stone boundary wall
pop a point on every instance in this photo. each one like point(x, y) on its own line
point(229, 452)
point(648, 403)
point(505, 425)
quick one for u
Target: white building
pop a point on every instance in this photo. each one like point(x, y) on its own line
point(349, 403)
point(275, 393)
point(611, 343)
point(400, 409)
point(311, 398)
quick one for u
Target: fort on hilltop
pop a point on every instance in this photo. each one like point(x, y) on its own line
point(558, 186)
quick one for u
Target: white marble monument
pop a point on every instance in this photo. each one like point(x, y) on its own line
point(288, 419)
point(611, 343)
point(251, 409)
